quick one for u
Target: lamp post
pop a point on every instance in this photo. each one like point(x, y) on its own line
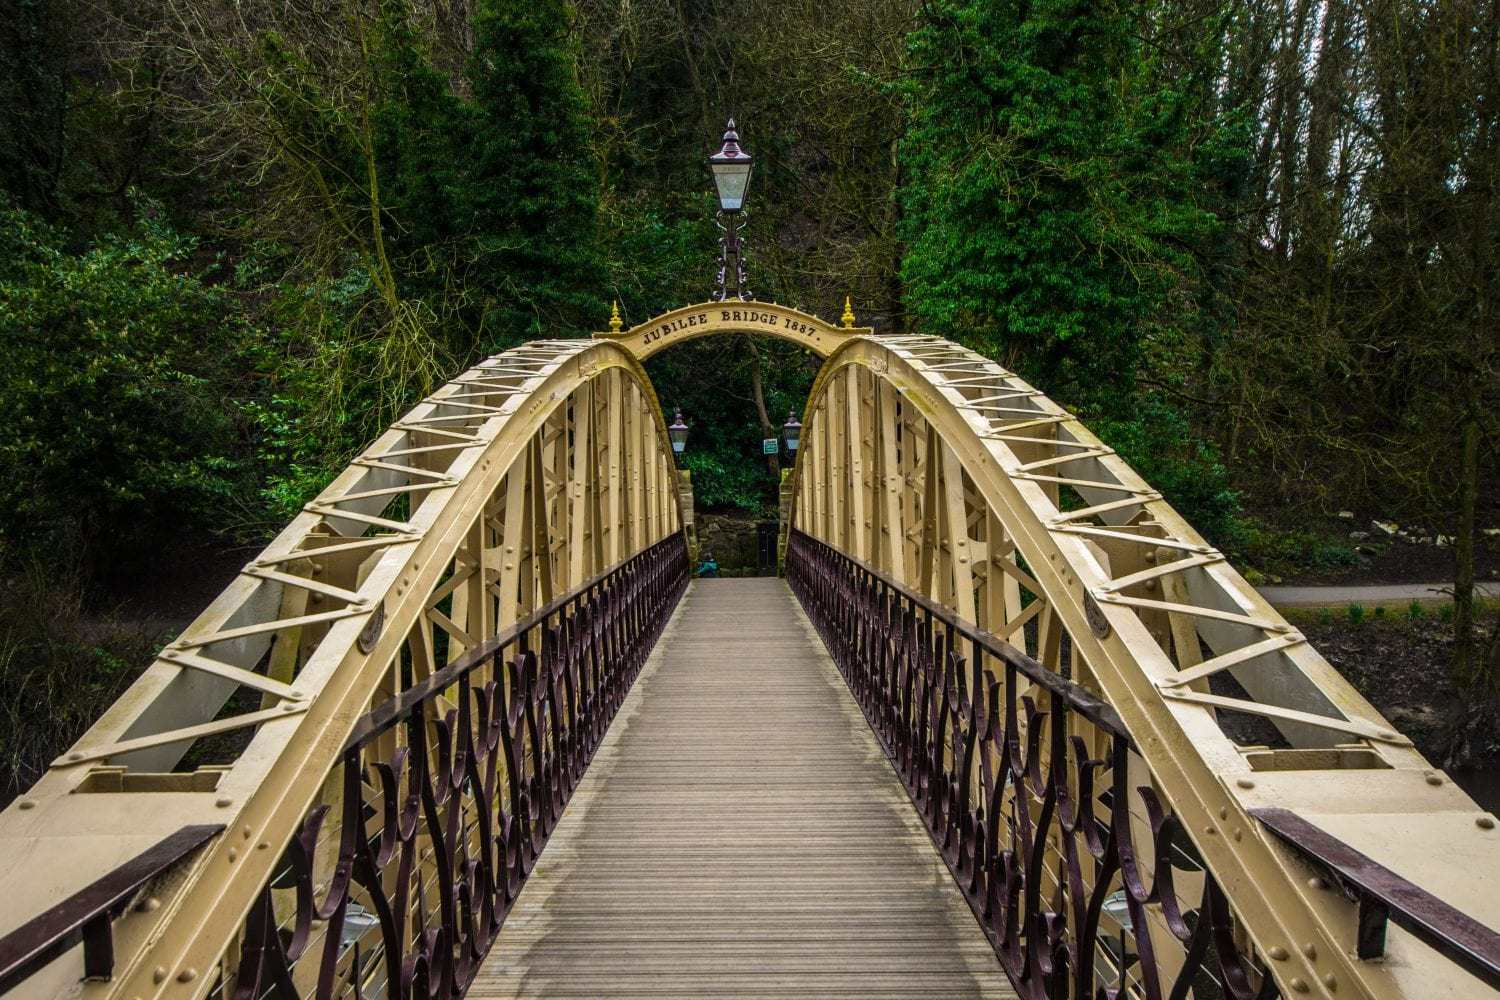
point(677, 430)
point(731, 167)
point(791, 431)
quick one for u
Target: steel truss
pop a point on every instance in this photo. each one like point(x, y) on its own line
point(441, 607)
point(968, 487)
point(506, 489)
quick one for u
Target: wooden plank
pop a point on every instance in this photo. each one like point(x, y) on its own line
point(715, 851)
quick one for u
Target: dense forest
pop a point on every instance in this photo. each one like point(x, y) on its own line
point(1256, 243)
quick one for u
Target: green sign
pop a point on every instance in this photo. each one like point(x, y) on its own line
point(770, 446)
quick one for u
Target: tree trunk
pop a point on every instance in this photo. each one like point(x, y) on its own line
point(773, 462)
point(1466, 668)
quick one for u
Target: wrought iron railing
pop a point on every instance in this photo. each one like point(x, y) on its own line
point(1033, 794)
point(447, 795)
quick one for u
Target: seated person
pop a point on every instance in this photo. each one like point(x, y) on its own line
point(709, 567)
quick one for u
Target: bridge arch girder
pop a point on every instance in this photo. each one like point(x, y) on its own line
point(518, 480)
point(732, 316)
point(1067, 553)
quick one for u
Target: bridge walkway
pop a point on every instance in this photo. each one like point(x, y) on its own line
point(740, 834)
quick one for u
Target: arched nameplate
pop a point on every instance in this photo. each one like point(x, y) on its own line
point(733, 316)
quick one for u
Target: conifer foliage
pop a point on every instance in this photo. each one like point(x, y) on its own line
point(1047, 201)
point(498, 180)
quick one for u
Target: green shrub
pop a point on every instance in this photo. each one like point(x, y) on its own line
point(1159, 443)
point(1288, 551)
point(118, 410)
point(1415, 612)
point(1356, 614)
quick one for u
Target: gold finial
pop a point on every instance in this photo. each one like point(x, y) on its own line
point(615, 323)
point(848, 318)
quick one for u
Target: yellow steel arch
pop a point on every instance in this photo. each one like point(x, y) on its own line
point(734, 316)
point(939, 468)
point(520, 479)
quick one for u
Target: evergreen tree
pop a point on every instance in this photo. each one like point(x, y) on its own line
point(493, 193)
point(531, 197)
point(1048, 196)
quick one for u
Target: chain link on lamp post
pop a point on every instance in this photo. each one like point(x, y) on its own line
point(731, 167)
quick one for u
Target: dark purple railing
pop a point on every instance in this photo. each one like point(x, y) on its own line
point(1034, 824)
point(449, 793)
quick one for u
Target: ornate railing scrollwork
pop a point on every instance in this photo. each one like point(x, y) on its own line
point(1033, 793)
point(446, 796)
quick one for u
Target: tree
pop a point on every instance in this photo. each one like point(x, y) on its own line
point(119, 399)
point(495, 191)
point(1048, 190)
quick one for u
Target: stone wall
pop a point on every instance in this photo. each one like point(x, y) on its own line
point(731, 538)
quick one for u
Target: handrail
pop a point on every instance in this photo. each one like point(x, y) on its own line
point(464, 775)
point(1019, 773)
point(89, 914)
point(1079, 698)
point(392, 711)
point(908, 676)
point(1383, 895)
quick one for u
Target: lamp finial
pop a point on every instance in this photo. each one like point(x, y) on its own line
point(848, 318)
point(615, 323)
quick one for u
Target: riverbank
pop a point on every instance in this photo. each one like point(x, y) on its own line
point(1402, 663)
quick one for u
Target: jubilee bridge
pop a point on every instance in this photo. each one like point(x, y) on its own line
point(1007, 727)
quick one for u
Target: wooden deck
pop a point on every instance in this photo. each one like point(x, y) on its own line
point(740, 834)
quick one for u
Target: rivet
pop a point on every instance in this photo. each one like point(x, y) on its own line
point(223, 802)
point(187, 975)
point(1278, 953)
point(26, 804)
point(158, 974)
point(1238, 833)
point(1298, 984)
point(262, 845)
point(233, 854)
point(1331, 982)
point(149, 905)
point(1245, 783)
point(288, 707)
point(1223, 812)
point(245, 832)
point(1386, 734)
point(1208, 830)
point(1311, 951)
point(1485, 823)
point(1316, 883)
point(1433, 779)
point(75, 756)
